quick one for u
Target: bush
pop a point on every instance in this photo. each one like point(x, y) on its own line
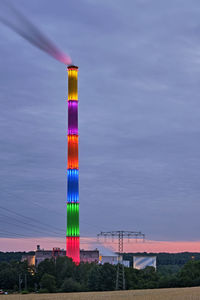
point(70, 285)
point(48, 282)
point(43, 291)
point(24, 292)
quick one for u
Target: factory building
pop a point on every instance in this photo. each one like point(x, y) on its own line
point(42, 254)
point(30, 259)
point(113, 260)
point(89, 256)
point(86, 256)
point(141, 262)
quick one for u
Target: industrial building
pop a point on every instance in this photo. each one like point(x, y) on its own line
point(30, 259)
point(89, 256)
point(141, 262)
point(113, 260)
point(86, 256)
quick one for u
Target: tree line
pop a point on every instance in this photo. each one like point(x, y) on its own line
point(163, 259)
point(62, 275)
point(166, 259)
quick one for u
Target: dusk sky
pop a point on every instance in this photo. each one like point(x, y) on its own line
point(139, 119)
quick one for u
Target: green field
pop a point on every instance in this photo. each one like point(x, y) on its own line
point(157, 294)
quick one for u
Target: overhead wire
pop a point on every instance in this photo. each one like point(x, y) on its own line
point(22, 226)
point(39, 223)
point(28, 217)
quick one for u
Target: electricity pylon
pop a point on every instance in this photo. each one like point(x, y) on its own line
point(121, 234)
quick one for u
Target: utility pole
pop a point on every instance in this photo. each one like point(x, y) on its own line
point(121, 234)
point(25, 281)
point(20, 283)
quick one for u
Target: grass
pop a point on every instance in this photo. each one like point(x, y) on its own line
point(157, 294)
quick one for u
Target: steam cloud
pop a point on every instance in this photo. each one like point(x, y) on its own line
point(15, 20)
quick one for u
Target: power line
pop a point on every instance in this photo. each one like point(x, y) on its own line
point(121, 234)
point(8, 233)
point(25, 223)
point(28, 218)
point(22, 226)
point(48, 209)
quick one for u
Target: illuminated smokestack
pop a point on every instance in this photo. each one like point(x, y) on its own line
point(72, 239)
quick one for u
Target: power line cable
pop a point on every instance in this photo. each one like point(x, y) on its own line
point(48, 209)
point(29, 218)
point(25, 223)
point(18, 225)
point(11, 233)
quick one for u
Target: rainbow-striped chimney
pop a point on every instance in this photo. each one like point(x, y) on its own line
point(72, 235)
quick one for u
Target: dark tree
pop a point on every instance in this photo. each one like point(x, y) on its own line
point(48, 282)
